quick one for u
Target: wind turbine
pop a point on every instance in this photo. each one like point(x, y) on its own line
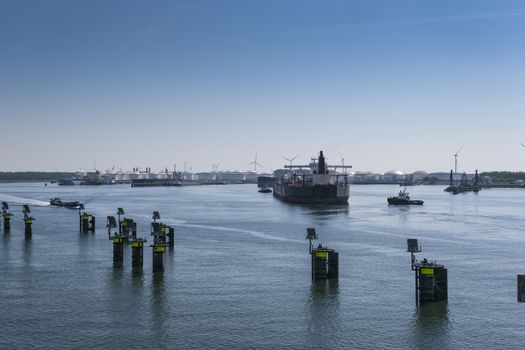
point(456, 160)
point(291, 159)
point(215, 167)
point(255, 163)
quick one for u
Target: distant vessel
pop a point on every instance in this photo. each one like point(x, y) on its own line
point(464, 185)
point(403, 199)
point(265, 189)
point(59, 203)
point(96, 178)
point(319, 185)
point(69, 182)
point(265, 180)
point(155, 183)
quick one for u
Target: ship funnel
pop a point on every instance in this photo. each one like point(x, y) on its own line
point(322, 165)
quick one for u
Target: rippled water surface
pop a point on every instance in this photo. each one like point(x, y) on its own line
point(240, 275)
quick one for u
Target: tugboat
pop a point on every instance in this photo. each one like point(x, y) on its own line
point(265, 189)
point(57, 202)
point(319, 185)
point(403, 199)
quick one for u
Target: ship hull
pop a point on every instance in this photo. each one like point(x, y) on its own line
point(318, 194)
point(402, 201)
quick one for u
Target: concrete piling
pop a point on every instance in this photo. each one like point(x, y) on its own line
point(158, 258)
point(118, 243)
point(28, 220)
point(137, 254)
point(325, 262)
point(158, 231)
point(171, 236)
point(86, 221)
point(521, 288)
point(118, 252)
point(431, 279)
point(6, 216)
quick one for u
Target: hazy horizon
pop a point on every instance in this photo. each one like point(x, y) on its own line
point(384, 85)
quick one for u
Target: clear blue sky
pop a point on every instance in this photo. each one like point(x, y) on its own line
point(387, 84)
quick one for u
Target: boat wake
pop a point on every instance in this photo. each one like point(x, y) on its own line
point(21, 200)
point(257, 234)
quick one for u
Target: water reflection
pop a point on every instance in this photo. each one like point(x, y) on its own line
point(319, 210)
point(117, 277)
point(137, 277)
point(324, 288)
point(86, 246)
point(325, 211)
point(137, 272)
point(158, 303)
point(323, 316)
point(430, 326)
point(402, 210)
point(171, 255)
point(27, 250)
point(6, 244)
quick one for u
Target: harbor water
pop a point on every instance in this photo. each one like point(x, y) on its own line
point(239, 277)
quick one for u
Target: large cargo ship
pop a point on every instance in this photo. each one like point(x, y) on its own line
point(317, 185)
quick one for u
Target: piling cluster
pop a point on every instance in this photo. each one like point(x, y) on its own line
point(431, 281)
point(430, 278)
point(122, 232)
point(163, 237)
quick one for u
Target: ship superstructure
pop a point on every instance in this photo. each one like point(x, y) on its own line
point(315, 183)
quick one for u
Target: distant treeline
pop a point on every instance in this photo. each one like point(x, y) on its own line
point(504, 176)
point(20, 176)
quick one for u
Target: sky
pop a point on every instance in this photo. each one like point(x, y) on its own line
point(381, 84)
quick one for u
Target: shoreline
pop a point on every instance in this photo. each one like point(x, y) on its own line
point(193, 183)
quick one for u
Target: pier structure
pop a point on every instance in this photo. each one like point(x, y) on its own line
point(120, 212)
point(86, 221)
point(128, 232)
point(6, 215)
point(169, 233)
point(128, 229)
point(28, 220)
point(118, 242)
point(325, 262)
point(158, 231)
point(431, 280)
